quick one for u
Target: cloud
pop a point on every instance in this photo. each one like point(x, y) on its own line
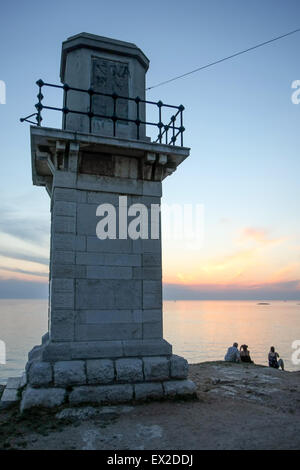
point(17, 289)
point(25, 257)
point(259, 235)
point(29, 229)
point(289, 290)
point(24, 271)
point(24, 239)
point(15, 220)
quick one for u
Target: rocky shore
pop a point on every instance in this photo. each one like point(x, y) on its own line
point(239, 406)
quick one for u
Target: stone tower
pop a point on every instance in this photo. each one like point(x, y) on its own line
point(105, 340)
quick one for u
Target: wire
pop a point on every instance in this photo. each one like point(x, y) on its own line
point(224, 58)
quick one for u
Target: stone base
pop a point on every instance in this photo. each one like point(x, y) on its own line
point(105, 381)
point(106, 394)
point(69, 350)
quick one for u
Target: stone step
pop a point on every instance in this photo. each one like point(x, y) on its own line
point(111, 394)
point(10, 394)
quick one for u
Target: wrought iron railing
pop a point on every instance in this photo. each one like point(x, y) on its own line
point(168, 133)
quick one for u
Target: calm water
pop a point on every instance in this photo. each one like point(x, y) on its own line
point(198, 330)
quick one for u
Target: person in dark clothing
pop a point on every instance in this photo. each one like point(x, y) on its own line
point(274, 360)
point(245, 353)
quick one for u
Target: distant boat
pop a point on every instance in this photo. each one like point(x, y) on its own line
point(263, 303)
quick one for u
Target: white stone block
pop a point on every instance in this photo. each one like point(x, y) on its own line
point(108, 316)
point(152, 287)
point(148, 390)
point(92, 259)
point(108, 272)
point(97, 197)
point(129, 370)
point(152, 188)
point(151, 315)
point(152, 330)
point(146, 200)
point(40, 374)
point(101, 394)
point(63, 257)
point(95, 245)
point(34, 353)
point(147, 273)
point(64, 300)
point(152, 294)
point(151, 259)
point(42, 398)
point(9, 395)
point(68, 271)
point(100, 371)
point(87, 220)
point(91, 293)
point(67, 373)
point(62, 285)
point(146, 347)
point(146, 246)
point(62, 325)
point(179, 388)
point(108, 331)
point(108, 259)
point(68, 242)
point(64, 179)
point(64, 208)
point(55, 350)
point(110, 184)
point(68, 195)
point(179, 367)
point(96, 349)
point(63, 224)
point(13, 382)
point(156, 368)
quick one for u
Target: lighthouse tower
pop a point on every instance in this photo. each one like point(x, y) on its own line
point(105, 331)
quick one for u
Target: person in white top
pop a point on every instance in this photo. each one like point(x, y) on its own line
point(233, 354)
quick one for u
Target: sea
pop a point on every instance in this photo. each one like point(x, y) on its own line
point(198, 330)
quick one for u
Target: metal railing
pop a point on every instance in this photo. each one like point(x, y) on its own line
point(174, 127)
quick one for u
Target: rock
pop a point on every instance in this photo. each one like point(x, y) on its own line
point(81, 413)
point(101, 394)
point(156, 368)
point(42, 397)
point(180, 388)
point(68, 373)
point(100, 371)
point(40, 374)
point(148, 390)
point(10, 395)
point(129, 370)
point(179, 367)
point(13, 382)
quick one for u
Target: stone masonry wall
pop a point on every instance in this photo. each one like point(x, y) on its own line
point(101, 289)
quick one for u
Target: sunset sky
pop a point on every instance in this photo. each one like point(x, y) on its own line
point(241, 126)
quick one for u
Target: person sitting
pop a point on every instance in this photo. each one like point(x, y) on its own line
point(233, 354)
point(245, 353)
point(274, 360)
